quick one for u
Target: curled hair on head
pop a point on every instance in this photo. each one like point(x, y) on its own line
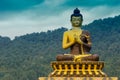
point(76, 13)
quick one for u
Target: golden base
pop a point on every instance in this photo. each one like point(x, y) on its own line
point(77, 69)
point(78, 78)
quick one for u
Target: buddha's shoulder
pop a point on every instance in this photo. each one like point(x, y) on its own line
point(67, 32)
point(86, 32)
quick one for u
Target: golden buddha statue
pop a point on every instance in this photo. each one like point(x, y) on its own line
point(78, 41)
point(79, 62)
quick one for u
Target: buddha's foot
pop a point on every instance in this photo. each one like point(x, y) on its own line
point(93, 57)
point(62, 57)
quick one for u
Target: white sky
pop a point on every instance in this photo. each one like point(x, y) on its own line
point(29, 21)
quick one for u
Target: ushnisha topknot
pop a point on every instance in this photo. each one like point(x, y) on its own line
point(76, 13)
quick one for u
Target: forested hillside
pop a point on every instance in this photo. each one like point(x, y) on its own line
point(27, 57)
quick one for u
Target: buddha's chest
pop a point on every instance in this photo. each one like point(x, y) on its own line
point(74, 34)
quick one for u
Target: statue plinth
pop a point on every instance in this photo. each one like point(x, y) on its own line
point(77, 69)
point(78, 78)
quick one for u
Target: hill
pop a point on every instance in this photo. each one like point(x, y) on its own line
point(27, 57)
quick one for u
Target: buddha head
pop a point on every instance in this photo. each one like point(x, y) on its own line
point(76, 18)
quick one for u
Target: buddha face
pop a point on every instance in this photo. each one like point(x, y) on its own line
point(76, 21)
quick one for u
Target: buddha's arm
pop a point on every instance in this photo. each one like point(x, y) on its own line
point(67, 43)
point(89, 43)
point(87, 36)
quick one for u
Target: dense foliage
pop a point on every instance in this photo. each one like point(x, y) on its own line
point(28, 57)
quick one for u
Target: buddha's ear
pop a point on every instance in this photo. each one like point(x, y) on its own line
point(82, 21)
point(71, 21)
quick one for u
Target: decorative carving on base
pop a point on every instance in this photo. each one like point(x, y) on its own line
point(77, 69)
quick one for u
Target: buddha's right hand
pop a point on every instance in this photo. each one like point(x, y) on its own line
point(75, 38)
point(79, 41)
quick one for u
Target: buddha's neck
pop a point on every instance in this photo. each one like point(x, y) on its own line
point(76, 28)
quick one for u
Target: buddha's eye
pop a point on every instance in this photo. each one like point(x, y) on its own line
point(73, 19)
point(78, 19)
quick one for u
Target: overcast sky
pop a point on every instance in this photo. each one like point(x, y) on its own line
point(18, 17)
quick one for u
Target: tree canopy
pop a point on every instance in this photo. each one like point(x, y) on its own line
point(28, 57)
